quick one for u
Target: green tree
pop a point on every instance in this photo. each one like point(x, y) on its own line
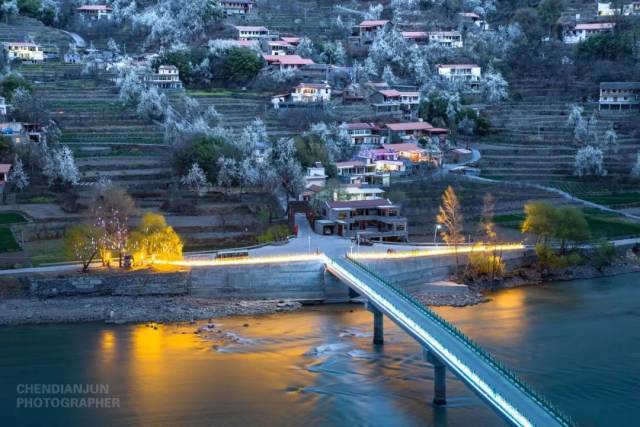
point(154, 240)
point(241, 65)
point(570, 226)
point(11, 82)
point(539, 219)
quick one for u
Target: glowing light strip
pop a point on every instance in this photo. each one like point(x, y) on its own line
point(274, 259)
point(446, 250)
point(505, 407)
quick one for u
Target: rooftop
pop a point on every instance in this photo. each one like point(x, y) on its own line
point(251, 28)
point(409, 126)
point(94, 7)
point(371, 23)
point(355, 204)
point(5, 167)
point(620, 85)
point(407, 146)
point(595, 26)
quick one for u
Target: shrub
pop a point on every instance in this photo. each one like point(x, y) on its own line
point(603, 254)
point(275, 233)
point(241, 65)
point(486, 264)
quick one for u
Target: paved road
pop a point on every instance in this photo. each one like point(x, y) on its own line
point(503, 394)
point(77, 38)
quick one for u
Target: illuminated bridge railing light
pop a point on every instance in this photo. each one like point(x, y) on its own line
point(469, 343)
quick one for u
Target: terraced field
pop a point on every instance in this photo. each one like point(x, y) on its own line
point(21, 28)
point(532, 141)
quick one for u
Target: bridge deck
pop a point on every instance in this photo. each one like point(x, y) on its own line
point(512, 399)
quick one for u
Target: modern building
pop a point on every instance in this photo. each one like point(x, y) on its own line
point(25, 51)
point(167, 78)
point(364, 133)
point(373, 219)
point(467, 73)
point(95, 11)
point(451, 39)
point(279, 47)
point(580, 32)
point(251, 32)
point(619, 95)
point(394, 102)
point(237, 7)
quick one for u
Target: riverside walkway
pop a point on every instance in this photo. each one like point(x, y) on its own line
point(446, 347)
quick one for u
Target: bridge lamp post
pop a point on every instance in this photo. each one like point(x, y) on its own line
point(435, 234)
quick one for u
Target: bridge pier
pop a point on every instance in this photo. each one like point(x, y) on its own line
point(440, 378)
point(378, 327)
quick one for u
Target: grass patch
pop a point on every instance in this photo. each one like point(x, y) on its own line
point(602, 224)
point(614, 199)
point(46, 251)
point(41, 199)
point(12, 218)
point(7, 241)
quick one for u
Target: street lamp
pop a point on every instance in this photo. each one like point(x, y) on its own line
point(435, 234)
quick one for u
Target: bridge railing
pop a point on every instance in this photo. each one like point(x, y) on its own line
point(473, 346)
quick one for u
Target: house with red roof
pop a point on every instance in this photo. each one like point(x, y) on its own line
point(366, 31)
point(582, 31)
point(451, 39)
point(287, 62)
point(397, 132)
point(392, 101)
point(364, 133)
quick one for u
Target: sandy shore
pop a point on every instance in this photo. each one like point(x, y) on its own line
point(130, 309)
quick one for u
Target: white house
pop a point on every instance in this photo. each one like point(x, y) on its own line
point(580, 32)
point(3, 106)
point(474, 18)
point(364, 133)
point(167, 77)
point(316, 175)
point(95, 11)
point(26, 51)
point(280, 47)
point(608, 9)
point(468, 73)
point(250, 32)
point(619, 95)
point(311, 92)
point(451, 39)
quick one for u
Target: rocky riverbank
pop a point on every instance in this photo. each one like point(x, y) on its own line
point(119, 310)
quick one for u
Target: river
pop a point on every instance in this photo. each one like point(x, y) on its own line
point(576, 342)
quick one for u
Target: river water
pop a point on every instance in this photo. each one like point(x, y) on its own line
point(578, 343)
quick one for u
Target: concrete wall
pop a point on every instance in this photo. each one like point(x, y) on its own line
point(303, 280)
point(135, 283)
point(411, 273)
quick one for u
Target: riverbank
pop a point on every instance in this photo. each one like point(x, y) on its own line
point(122, 309)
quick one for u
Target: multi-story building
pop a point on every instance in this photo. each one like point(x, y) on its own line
point(580, 32)
point(366, 31)
point(251, 32)
point(95, 11)
point(619, 95)
point(374, 219)
point(397, 132)
point(167, 77)
point(392, 101)
point(364, 133)
point(467, 73)
point(609, 9)
point(237, 7)
point(25, 51)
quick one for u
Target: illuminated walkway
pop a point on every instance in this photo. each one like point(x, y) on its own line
point(446, 347)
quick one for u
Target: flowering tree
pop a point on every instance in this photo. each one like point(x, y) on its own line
point(388, 76)
point(152, 104)
point(333, 53)
point(131, 88)
point(254, 137)
point(287, 168)
point(227, 172)
point(495, 86)
point(18, 177)
point(195, 179)
point(305, 48)
point(589, 161)
point(374, 12)
point(154, 240)
point(60, 167)
point(82, 243)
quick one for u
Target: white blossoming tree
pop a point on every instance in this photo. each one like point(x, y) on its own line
point(495, 86)
point(635, 170)
point(18, 177)
point(589, 162)
point(195, 179)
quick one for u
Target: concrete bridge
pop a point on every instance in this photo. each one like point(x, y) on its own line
point(446, 347)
